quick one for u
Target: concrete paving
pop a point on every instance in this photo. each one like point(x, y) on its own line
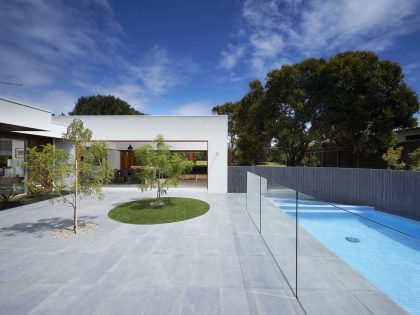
point(213, 264)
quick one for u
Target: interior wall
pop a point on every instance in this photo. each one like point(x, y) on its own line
point(114, 159)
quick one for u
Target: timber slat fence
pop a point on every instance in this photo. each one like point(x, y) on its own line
point(392, 191)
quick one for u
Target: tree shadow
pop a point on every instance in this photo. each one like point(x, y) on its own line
point(42, 226)
point(119, 203)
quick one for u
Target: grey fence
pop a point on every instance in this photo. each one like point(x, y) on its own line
point(396, 192)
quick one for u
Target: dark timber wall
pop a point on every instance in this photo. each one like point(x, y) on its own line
point(396, 192)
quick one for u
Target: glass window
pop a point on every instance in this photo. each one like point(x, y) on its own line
point(12, 158)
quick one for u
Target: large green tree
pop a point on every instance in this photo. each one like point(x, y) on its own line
point(352, 100)
point(363, 100)
point(291, 99)
point(228, 109)
point(103, 105)
point(250, 125)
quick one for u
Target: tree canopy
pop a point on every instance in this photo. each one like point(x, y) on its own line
point(103, 105)
point(352, 100)
point(291, 103)
point(363, 100)
point(161, 166)
point(253, 140)
point(71, 176)
point(228, 109)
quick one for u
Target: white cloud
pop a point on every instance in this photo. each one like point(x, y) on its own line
point(62, 49)
point(231, 56)
point(198, 108)
point(58, 100)
point(160, 72)
point(46, 36)
point(276, 31)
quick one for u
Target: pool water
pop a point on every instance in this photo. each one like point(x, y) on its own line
point(384, 248)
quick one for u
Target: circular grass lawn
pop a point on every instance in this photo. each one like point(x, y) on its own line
point(173, 210)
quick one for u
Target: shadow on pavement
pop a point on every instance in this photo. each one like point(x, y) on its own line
point(38, 228)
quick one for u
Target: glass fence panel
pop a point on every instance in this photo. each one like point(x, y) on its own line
point(253, 198)
point(278, 230)
point(336, 248)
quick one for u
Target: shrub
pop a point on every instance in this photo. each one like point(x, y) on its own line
point(34, 189)
point(393, 158)
point(7, 195)
point(415, 158)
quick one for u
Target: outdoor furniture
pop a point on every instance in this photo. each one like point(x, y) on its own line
point(132, 177)
point(123, 178)
point(116, 176)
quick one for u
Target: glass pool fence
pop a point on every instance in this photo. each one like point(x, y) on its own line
point(337, 248)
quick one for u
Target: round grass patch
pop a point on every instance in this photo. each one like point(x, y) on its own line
point(174, 209)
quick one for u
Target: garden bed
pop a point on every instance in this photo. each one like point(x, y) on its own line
point(22, 200)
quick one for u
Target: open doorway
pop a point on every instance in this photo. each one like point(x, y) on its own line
point(126, 167)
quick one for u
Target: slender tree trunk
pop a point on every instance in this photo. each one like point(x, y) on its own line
point(158, 187)
point(76, 184)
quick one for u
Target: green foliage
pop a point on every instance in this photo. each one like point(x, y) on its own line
point(42, 165)
point(291, 102)
point(80, 175)
point(33, 188)
point(7, 194)
point(253, 141)
point(415, 158)
point(352, 100)
point(88, 169)
point(162, 167)
point(362, 100)
point(228, 109)
point(103, 105)
point(393, 158)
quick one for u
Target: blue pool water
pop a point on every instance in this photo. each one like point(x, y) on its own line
point(387, 258)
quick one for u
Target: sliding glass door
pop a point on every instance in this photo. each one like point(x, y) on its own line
point(12, 169)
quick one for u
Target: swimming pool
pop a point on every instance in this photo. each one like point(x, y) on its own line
point(387, 258)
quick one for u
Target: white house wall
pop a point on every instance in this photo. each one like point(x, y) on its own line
point(183, 129)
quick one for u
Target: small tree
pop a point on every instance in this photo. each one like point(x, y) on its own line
point(42, 166)
point(393, 158)
point(84, 173)
point(161, 167)
point(71, 177)
point(415, 158)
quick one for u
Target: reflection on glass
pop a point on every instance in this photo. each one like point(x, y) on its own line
point(12, 158)
point(253, 197)
point(279, 231)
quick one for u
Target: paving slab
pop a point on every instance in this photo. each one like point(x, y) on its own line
point(213, 264)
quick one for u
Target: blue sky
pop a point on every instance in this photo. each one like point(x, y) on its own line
point(185, 56)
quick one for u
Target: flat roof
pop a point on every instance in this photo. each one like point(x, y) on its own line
point(26, 105)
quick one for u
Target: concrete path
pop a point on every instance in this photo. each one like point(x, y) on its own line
point(213, 264)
